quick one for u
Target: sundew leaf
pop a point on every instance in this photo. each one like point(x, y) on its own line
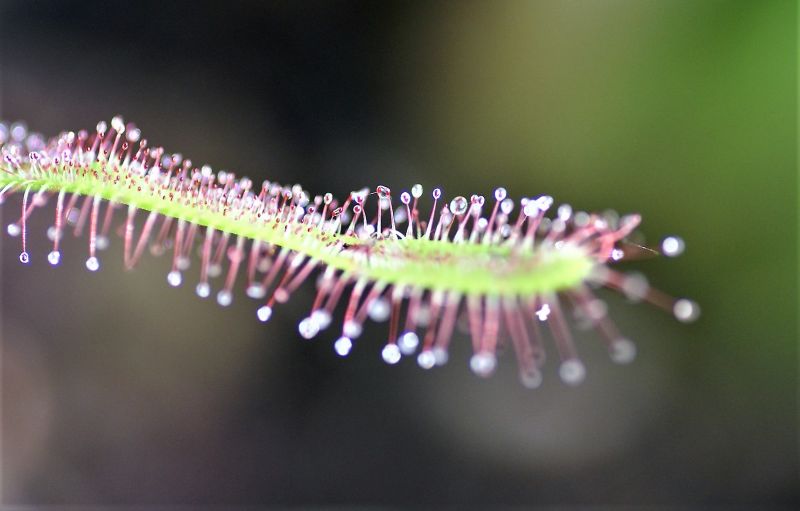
point(509, 266)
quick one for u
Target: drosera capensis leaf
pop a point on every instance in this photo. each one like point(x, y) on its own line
point(508, 266)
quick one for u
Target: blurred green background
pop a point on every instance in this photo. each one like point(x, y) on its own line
point(118, 389)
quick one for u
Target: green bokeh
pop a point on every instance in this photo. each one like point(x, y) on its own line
point(682, 111)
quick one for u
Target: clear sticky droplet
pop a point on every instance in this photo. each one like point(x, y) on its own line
point(483, 364)
point(408, 343)
point(24, 258)
point(623, 351)
point(379, 310)
point(543, 312)
point(19, 131)
point(383, 191)
point(224, 297)
point(596, 309)
point(92, 264)
point(203, 290)
point(531, 379)
point(174, 278)
point(440, 355)
point(416, 191)
point(635, 287)
point(343, 346)
point(183, 263)
point(101, 243)
point(500, 193)
point(255, 291)
point(531, 208)
point(582, 219)
point(281, 295)
point(352, 329)
point(54, 257)
point(117, 124)
point(686, 310)
point(391, 354)
point(308, 328)
point(264, 313)
point(426, 359)
point(13, 230)
point(322, 317)
point(672, 246)
point(572, 372)
point(459, 205)
point(544, 202)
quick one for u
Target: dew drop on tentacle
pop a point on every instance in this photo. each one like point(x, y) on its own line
point(635, 287)
point(182, 263)
point(256, 291)
point(352, 329)
point(19, 130)
point(531, 208)
point(224, 297)
point(174, 278)
point(54, 257)
point(379, 310)
point(391, 354)
point(203, 290)
point(531, 379)
point(308, 327)
point(582, 219)
point(408, 343)
point(101, 242)
point(343, 346)
point(672, 246)
point(133, 134)
point(426, 359)
point(623, 351)
point(440, 355)
point(214, 270)
point(117, 124)
point(459, 205)
point(572, 371)
point(483, 364)
point(686, 310)
point(322, 318)
point(564, 212)
point(543, 312)
point(264, 313)
point(92, 264)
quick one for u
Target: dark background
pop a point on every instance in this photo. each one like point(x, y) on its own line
point(118, 389)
